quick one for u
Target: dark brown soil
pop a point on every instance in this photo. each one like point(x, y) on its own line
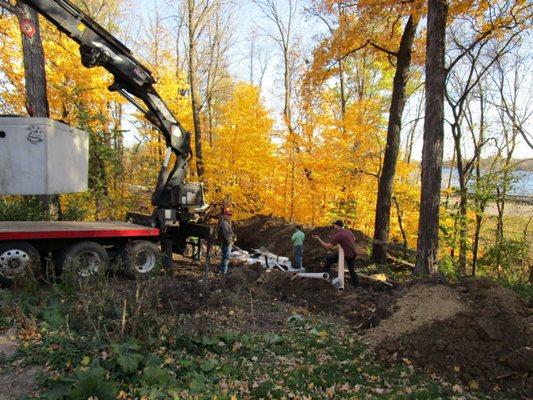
point(474, 332)
point(360, 308)
point(275, 234)
point(485, 340)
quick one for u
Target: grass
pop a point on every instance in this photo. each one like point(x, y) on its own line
point(309, 360)
point(304, 359)
point(524, 290)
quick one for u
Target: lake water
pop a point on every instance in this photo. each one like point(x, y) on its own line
point(523, 185)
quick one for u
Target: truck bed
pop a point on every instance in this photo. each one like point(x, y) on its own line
point(28, 230)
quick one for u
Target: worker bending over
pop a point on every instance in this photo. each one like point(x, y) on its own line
point(346, 239)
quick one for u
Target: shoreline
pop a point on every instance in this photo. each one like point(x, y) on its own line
point(516, 206)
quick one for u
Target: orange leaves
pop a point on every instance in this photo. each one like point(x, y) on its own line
point(346, 99)
point(240, 162)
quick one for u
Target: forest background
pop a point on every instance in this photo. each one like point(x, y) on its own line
point(296, 111)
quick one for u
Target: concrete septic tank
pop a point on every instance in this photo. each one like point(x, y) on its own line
point(42, 156)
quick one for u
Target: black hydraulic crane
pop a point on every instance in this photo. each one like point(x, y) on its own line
point(175, 200)
point(177, 204)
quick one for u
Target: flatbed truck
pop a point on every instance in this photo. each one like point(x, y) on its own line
point(87, 247)
point(84, 249)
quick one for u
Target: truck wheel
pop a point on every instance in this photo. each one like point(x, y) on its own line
point(17, 258)
point(83, 259)
point(141, 258)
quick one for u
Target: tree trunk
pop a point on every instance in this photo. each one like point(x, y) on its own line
point(449, 184)
point(343, 91)
point(195, 94)
point(480, 201)
point(34, 72)
point(35, 84)
point(388, 172)
point(463, 198)
point(428, 226)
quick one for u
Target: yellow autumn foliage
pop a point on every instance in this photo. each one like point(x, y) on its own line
point(327, 168)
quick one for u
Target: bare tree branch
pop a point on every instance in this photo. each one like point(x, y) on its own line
point(8, 6)
point(383, 49)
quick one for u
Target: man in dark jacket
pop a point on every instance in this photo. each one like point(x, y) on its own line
point(346, 239)
point(225, 234)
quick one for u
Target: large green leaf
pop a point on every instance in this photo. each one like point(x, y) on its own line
point(85, 384)
point(54, 313)
point(198, 383)
point(127, 356)
point(207, 366)
point(156, 376)
point(129, 362)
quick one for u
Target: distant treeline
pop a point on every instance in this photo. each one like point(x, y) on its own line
point(525, 164)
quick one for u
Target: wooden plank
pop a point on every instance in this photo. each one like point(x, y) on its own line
point(373, 279)
point(27, 230)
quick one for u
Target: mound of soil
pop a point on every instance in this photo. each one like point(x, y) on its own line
point(413, 311)
point(476, 332)
point(361, 308)
point(275, 234)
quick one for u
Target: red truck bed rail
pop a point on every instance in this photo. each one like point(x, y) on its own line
point(31, 230)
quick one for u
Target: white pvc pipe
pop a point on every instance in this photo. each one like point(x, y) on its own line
point(314, 275)
point(338, 282)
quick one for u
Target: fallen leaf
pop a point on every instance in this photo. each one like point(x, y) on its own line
point(457, 389)
point(473, 385)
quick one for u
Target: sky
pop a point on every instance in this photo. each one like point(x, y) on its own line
point(247, 18)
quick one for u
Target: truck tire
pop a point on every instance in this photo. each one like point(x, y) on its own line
point(16, 259)
point(141, 258)
point(83, 260)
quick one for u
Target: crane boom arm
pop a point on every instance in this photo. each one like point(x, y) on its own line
point(131, 79)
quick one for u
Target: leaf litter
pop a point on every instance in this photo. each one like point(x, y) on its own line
point(264, 335)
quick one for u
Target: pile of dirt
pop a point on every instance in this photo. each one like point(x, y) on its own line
point(476, 332)
point(413, 311)
point(361, 308)
point(275, 234)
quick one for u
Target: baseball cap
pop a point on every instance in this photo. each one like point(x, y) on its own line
point(338, 223)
